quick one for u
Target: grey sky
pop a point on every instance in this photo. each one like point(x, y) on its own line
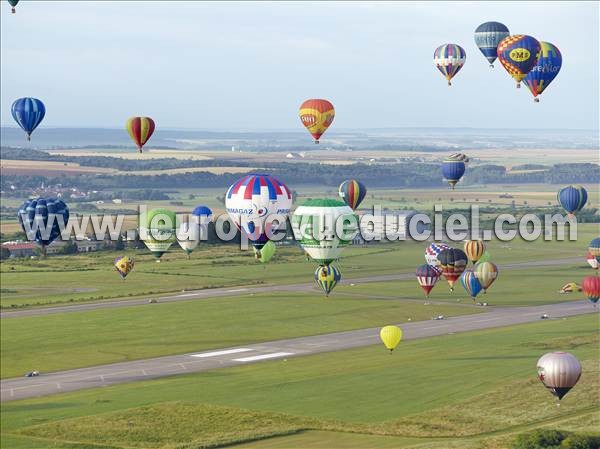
point(249, 65)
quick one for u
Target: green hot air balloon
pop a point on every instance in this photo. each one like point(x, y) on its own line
point(267, 252)
point(315, 221)
point(158, 230)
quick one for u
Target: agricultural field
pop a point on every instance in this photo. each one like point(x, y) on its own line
point(354, 398)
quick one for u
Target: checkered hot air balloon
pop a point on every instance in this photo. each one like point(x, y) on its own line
point(518, 54)
point(432, 251)
point(449, 59)
point(316, 115)
point(327, 277)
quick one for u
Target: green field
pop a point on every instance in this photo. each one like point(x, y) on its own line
point(471, 390)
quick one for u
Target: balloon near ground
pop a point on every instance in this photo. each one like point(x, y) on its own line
point(123, 265)
point(591, 288)
point(449, 59)
point(470, 283)
point(258, 205)
point(140, 130)
point(158, 230)
point(42, 219)
point(453, 168)
point(518, 54)
point(267, 252)
point(316, 115)
point(312, 217)
point(572, 199)
point(352, 192)
point(427, 277)
point(432, 251)
point(545, 70)
point(487, 37)
point(188, 237)
point(28, 113)
point(452, 263)
point(559, 372)
point(474, 249)
point(327, 277)
point(487, 273)
point(592, 260)
point(594, 248)
point(390, 336)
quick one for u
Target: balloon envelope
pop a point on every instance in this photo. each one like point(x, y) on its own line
point(188, 236)
point(427, 277)
point(140, 130)
point(390, 336)
point(487, 273)
point(432, 251)
point(123, 265)
point(474, 249)
point(470, 283)
point(327, 277)
point(42, 219)
point(592, 260)
point(452, 263)
point(545, 70)
point(453, 170)
point(28, 113)
point(594, 247)
point(487, 37)
point(158, 230)
point(559, 372)
point(572, 198)
point(352, 192)
point(591, 288)
point(267, 252)
point(316, 115)
point(518, 54)
point(449, 59)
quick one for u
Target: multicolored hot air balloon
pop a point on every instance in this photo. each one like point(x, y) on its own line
point(487, 273)
point(559, 372)
point(390, 336)
point(140, 130)
point(572, 199)
point(546, 69)
point(518, 54)
point(470, 283)
point(594, 248)
point(487, 37)
point(28, 113)
point(432, 251)
point(592, 260)
point(352, 192)
point(315, 221)
point(474, 249)
point(453, 168)
point(258, 205)
point(327, 277)
point(158, 230)
point(123, 265)
point(449, 59)
point(452, 263)
point(317, 115)
point(427, 276)
point(591, 288)
point(42, 220)
point(13, 4)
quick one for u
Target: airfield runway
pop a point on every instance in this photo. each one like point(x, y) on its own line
point(237, 291)
point(99, 376)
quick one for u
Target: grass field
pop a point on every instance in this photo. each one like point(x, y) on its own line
point(473, 390)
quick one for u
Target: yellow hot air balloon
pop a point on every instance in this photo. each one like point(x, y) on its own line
point(474, 249)
point(390, 336)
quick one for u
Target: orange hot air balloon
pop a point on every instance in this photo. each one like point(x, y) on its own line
point(140, 130)
point(317, 115)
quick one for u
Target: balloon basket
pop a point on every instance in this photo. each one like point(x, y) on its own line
point(316, 142)
point(449, 83)
point(13, 10)
point(491, 66)
point(518, 85)
point(28, 138)
point(536, 100)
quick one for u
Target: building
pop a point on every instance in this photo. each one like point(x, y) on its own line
point(55, 247)
point(20, 248)
point(88, 246)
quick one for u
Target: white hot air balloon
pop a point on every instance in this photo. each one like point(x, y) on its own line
point(559, 372)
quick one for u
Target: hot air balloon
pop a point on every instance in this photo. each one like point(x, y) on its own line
point(546, 69)
point(459, 157)
point(140, 130)
point(427, 276)
point(267, 252)
point(432, 251)
point(452, 263)
point(188, 237)
point(352, 192)
point(316, 115)
point(28, 113)
point(203, 216)
point(123, 265)
point(474, 249)
point(327, 277)
point(315, 222)
point(453, 168)
point(572, 199)
point(559, 372)
point(594, 248)
point(42, 220)
point(449, 59)
point(486, 273)
point(258, 205)
point(470, 283)
point(591, 288)
point(591, 259)
point(13, 3)
point(487, 37)
point(518, 54)
point(158, 230)
point(390, 336)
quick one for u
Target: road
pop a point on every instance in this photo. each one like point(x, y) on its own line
point(236, 291)
point(117, 373)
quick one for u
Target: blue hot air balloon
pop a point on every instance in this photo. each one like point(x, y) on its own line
point(42, 220)
point(202, 211)
point(453, 168)
point(572, 198)
point(546, 69)
point(487, 37)
point(470, 283)
point(28, 113)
